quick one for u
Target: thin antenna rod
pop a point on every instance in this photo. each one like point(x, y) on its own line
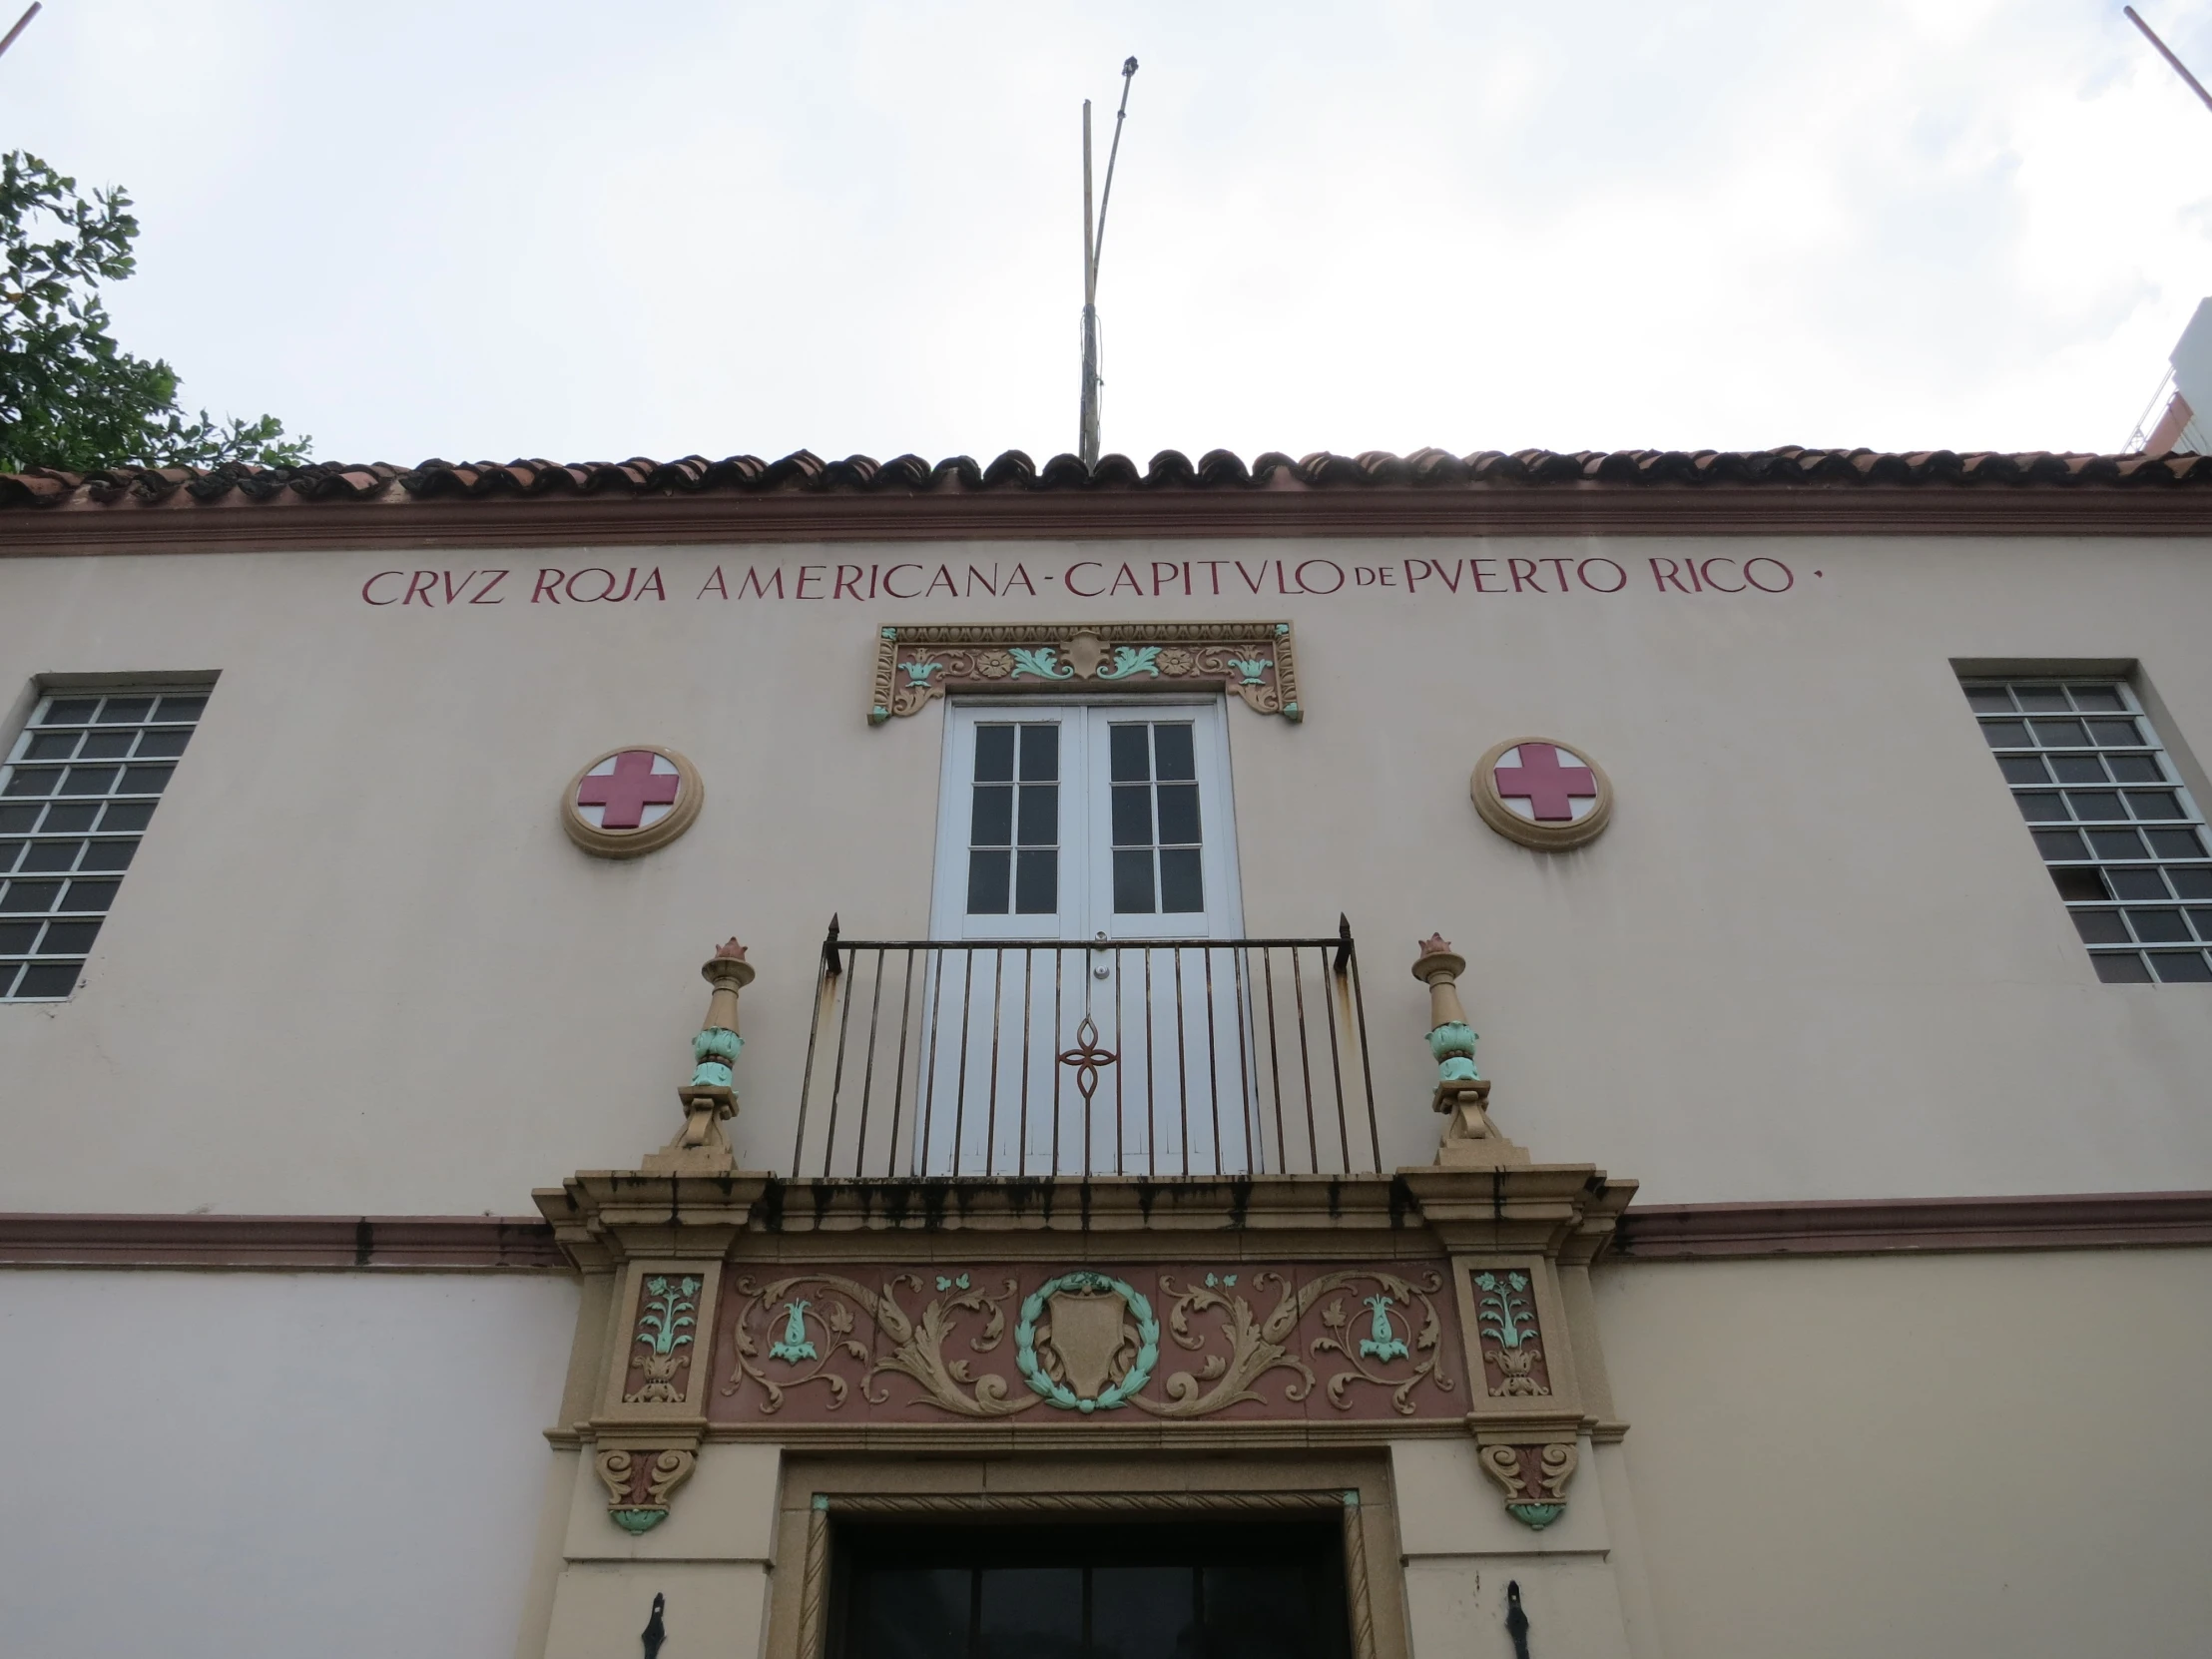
point(21, 23)
point(1093, 240)
point(2181, 69)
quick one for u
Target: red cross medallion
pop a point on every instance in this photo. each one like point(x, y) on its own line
point(1549, 788)
point(630, 800)
point(626, 784)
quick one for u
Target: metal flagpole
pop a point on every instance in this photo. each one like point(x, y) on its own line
point(2181, 69)
point(1093, 241)
point(21, 23)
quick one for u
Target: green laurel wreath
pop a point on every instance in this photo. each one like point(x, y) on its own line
point(1059, 1394)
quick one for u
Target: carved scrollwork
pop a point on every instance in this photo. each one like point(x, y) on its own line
point(1534, 1477)
point(915, 665)
point(829, 1313)
point(1393, 1334)
point(1257, 1346)
point(638, 1483)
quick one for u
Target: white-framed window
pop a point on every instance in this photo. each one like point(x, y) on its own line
point(2122, 837)
point(78, 786)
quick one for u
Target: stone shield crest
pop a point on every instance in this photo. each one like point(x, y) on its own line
point(1095, 1327)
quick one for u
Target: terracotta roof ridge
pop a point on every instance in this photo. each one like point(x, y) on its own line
point(1015, 471)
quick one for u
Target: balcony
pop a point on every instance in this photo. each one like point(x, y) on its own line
point(1163, 1058)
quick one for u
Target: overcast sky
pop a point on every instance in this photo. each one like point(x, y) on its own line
point(482, 229)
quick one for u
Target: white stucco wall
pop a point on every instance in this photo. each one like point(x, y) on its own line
point(356, 967)
point(262, 1465)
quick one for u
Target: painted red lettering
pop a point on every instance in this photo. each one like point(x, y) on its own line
point(944, 579)
point(1128, 576)
point(548, 588)
point(1705, 571)
point(1558, 571)
point(1363, 576)
point(1583, 575)
point(1660, 578)
point(752, 583)
point(1251, 580)
point(374, 580)
point(1789, 577)
point(1081, 593)
point(976, 579)
point(568, 587)
point(1022, 576)
point(1520, 568)
point(1474, 568)
point(893, 592)
point(1173, 570)
point(614, 598)
point(1213, 567)
point(807, 573)
point(653, 585)
point(1426, 569)
point(483, 595)
point(843, 585)
point(453, 593)
point(422, 582)
point(713, 584)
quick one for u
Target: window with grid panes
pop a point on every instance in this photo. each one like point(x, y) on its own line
point(78, 786)
point(2124, 842)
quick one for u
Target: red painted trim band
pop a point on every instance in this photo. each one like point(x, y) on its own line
point(280, 1243)
point(1866, 1226)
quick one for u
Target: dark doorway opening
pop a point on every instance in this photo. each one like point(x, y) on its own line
point(1234, 1590)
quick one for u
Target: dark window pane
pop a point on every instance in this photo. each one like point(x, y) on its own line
point(2077, 768)
point(2023, 768)
point(2006, 734)
point(2096, 699)
point(991, 821)
point(51, 745)
point(2080, 884)
point(1031, 1613)
point(1038, 884)
point(2114, 733)
point(2099, 926)
point(9, 852)
point(16, 938)
point(68, 938)
point(1990, 700)
point(71, 711)
point(2175, 844)
point(1131, 761)
point(49, 979)
point(2116, 843)
point(986, 882)
point(1249, 1615)
point(2116, 969)
point(162, 742)
point(1143, 1612)
point(1182, 887)
point(1040, 753)
point(1131, 816)
point(2202, 919)
point(126, 710)
point(106, 746)
point(30, 897)
point(2060, 734)
point(2135, 884)
point(2041, 699)
point(32, 781)
point(89, 896)
point(1173, 752)
point(1133, 884)
point(2055, 845)
point(88, 781)
point(915, 1613)
point(145, 780)
point(181, 707)
point(1040, 815)
point(2157, 927)
point(2182, 967)
point(2191, 884)
point(14, 821)
point(994, 753)
point(48, 856)
point(1178, 814)
point(108, 856)
point(2042, 806)
point(2096, 805)
point(7, 977)
point(2135, 768)
point(123, 816)
point(2155, 803)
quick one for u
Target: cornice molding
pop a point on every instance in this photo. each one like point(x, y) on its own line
point(405, 524)
point(280, 1243)
point(1864, 1227)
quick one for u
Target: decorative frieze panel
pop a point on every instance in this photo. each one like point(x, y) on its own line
point(662, 1339)
point(1507, 1336)
point(882, 1346)
point(1253, 660)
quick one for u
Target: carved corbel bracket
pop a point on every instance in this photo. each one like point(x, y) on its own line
point(640, 1479)
point(1534, 1475)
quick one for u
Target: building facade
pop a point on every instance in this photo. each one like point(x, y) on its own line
point(835, 1061)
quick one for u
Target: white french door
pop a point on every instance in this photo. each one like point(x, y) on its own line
point(1103, 825)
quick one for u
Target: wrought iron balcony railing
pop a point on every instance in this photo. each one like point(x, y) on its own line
point(1165, 1058)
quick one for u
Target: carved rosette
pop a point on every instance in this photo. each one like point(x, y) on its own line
point(1535, 1478)
point(1508, 1334)
point(1172, 1345)
point(639, 1482)
point(1254, 660)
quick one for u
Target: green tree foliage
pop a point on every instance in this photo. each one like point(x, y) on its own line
point(70, 397)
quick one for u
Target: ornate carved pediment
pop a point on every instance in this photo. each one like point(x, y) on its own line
point(1252, 659)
